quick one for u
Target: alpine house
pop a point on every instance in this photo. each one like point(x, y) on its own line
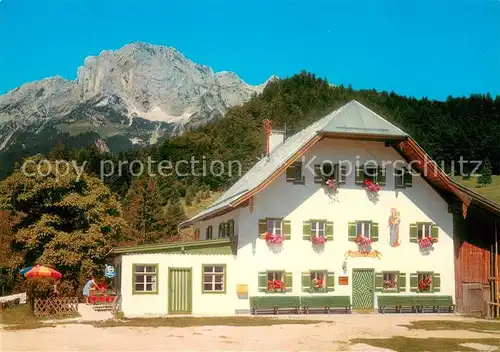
point(347, 214)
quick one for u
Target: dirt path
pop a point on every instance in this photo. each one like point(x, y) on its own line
point(332, 335)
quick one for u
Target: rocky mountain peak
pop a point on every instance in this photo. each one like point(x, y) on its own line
point(140, 91)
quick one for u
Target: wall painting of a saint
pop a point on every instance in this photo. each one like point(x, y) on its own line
point(394, 221)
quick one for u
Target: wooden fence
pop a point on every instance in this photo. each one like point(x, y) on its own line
point(55, 306)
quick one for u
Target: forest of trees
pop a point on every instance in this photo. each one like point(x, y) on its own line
point(147, 209)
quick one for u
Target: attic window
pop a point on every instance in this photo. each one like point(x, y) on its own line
point(294, 173)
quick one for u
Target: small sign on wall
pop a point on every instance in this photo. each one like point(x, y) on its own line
point(343, 280)
point(242, 289)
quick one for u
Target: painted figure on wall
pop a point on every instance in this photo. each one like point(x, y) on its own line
point(394, 221)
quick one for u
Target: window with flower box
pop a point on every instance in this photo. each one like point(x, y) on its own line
point(425, 282)
point(420, 230)
point(374, 173)
point(330, 171)
point(390, 281)
point(363, 228)
point(214, 278)
point(317, 281)
point(145, 278)
point(317, 228)
point(275, 226)
point(275, 281)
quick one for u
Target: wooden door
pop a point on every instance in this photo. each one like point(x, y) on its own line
point(180, 291)
point(363, 288)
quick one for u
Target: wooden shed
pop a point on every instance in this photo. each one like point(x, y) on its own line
point(477, 258)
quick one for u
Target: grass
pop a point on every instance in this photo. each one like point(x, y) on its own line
point(195, 208)
point(432, 325)
point(183, 322)
point(21, 317)
point(491, 191)
point(407, 344)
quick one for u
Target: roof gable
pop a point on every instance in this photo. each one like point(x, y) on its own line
point(357, 118)
point(352, 118)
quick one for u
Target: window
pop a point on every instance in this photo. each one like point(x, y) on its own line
point(214, 278)
point(209, 232)
point(145, 277)
point(390, 281)
point(294, 173)
point(363, 228)
point(425, 282)
point(318, 228)
point(230, 228)
point(399, 178)
point(276, 275)
point(274, 227)
point(318, 280)
point(371, 173)
point(221, 230)
point(424, 230)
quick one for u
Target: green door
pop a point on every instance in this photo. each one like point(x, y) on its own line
point(180, 290)
point(363, 288)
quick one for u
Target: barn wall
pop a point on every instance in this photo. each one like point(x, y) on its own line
point(474, 238)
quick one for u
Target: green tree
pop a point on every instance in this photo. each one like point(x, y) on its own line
point(485, 178)
point(144, 211)
point(175, 215)
point(66, 221)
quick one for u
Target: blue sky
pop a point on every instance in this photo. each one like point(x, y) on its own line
point(432, 48)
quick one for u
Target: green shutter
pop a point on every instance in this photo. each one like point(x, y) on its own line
point(379, 282)
point(360, 175)
point(342, 175)
point(435, 231)
point(401, 282)
point(306, 230)
point(399, 174)
point(374, 232)
point(318, 176)
point(263, 281)
point(352, 231)
point(288, 281)
point(408, 178)
point(262, 228)
point(306, 281)
point(436, 282)
point(413, 233)
point(290, 176)
point(413, 282)
point(381, 176)
point(329, 230)
point(330, 281)
point(287, 229)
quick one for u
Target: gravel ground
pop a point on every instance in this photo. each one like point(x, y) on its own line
point(331, 335)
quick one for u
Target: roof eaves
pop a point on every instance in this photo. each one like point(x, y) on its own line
point(170, 246)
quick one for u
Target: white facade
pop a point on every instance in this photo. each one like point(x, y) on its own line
point(298, 203)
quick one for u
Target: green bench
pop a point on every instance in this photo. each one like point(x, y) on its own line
point(417, 303)
point(274, 303)
point(326, 302)
point(396, 302)
point(436, 303)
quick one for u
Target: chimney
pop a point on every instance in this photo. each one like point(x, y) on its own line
point(274, 138)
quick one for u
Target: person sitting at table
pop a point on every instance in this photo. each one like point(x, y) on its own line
point(90, 285)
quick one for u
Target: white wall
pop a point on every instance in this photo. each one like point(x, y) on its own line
point(302, 202)
point(157, 304)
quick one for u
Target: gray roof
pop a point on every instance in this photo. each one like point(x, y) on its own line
point(352, 118)
point(357, 118)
